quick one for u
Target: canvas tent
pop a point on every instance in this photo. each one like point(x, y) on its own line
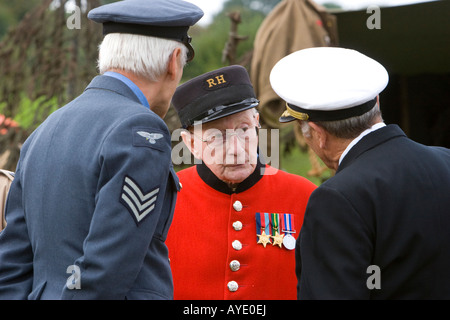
point(292, 25)
point(414, 46)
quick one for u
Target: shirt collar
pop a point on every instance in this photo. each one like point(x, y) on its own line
point(376, 126)
point(139, 94)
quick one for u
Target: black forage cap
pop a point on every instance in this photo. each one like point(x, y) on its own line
point(214, 95)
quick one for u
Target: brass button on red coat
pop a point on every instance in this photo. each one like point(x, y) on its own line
point(235, 265)
point(237, 205)
point(237, 245)
point(237, 225)
point(233, 286)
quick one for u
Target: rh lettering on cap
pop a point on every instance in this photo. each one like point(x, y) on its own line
point(212, 82)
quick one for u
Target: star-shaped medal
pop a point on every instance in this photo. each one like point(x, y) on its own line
point(278, 239)
point(264, 239)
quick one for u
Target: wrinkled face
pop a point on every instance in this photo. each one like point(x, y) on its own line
point(228, 146)
point(312, 140)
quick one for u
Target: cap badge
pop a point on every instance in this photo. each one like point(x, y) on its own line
point(296, 114)
point(150, 137)
point(215, 81)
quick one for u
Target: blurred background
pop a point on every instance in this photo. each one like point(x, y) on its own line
point(48, 54)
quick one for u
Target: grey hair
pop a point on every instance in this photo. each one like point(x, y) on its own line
point(142, 55)
point(348, 128)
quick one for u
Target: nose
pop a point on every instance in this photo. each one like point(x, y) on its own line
point(235, 150)
point(234, 145)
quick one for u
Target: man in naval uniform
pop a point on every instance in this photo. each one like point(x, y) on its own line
point(236, 219)
point(94, 191)
point(378, 229)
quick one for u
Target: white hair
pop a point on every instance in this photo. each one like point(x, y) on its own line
point(306, 130)
point(348, 128)
point(142, 55)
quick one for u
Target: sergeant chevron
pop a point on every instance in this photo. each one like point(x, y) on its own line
point(138, 203)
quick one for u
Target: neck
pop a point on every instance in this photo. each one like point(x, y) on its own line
point(150, 90)
point(232, 186)
point(334, 153)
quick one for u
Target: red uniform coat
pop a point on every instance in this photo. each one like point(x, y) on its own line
point(204, 240)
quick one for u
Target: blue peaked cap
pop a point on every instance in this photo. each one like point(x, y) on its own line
point(169, 19)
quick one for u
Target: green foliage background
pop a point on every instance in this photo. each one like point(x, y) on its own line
point(209, 42)
point(79, 52)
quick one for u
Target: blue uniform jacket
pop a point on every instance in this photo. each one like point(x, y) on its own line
point(92, 202)
point(379, 229)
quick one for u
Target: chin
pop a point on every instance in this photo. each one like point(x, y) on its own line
point(237, 174)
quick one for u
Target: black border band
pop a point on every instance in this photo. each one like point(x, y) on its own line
point(316, 115)
point(175, 33)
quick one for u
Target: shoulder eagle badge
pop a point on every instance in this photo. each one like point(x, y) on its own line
point(150, 137)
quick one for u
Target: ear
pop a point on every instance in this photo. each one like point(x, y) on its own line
point(174, 64)
point(190, 143)
point(257, 117)
point(320, 133)
point(378, 104)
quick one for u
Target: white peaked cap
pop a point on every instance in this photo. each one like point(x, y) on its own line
point(327, 83)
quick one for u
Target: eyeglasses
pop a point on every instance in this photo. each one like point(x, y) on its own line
point(219, 139)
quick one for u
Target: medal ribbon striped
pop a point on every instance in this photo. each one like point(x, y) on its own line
point(275, 223)
point(262, 223)
point(288, 223)
point(267, 225)
point(258, 224)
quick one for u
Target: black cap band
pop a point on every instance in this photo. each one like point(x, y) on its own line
point(334, 115)
point(214, 95)
point(204, 110)
point(179, 34)
point(175, 33)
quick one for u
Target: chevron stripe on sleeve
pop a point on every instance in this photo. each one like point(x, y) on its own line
point(138, 203)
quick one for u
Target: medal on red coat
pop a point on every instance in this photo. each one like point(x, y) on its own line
point(288, 228)
point(276, 236)
point(262, 225)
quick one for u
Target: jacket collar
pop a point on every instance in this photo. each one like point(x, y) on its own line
point(112, 84)
point(211, 179)
point(370, 141)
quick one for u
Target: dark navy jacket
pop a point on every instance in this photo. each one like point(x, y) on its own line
point(91, 203)
point(388, 206)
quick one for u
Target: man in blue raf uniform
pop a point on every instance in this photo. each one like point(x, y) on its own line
point(94, 193)
point(378, 229)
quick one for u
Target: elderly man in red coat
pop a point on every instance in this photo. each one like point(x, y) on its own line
point(236, 219)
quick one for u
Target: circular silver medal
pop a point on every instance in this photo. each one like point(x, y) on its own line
point(289, 242)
